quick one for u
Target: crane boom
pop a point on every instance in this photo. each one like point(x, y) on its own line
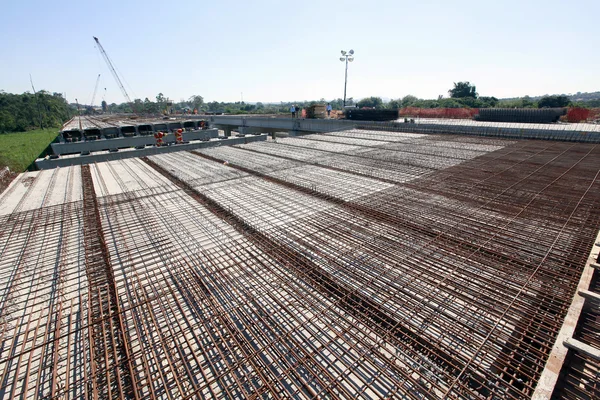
point(95, 90)
point(112, 69)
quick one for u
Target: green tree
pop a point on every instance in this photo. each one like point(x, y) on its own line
point(214, 106)
point(463, 89)
point(150, 107)
point(22, 112)
point(374, 102)
point(409, 100)
point(395, 103)
point(196, 102)
point(554, 101)
point(527, 102)
point(449, 103)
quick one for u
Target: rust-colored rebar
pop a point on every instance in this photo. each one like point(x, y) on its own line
point(359, 264)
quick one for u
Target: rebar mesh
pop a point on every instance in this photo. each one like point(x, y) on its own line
point(380, 265)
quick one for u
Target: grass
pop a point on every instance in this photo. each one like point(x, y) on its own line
point(19, 150)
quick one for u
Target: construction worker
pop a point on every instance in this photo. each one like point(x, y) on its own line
point(179, 136)
point(293, 111)
point(158, 136)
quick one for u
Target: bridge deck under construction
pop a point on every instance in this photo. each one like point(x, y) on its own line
point(357, 264)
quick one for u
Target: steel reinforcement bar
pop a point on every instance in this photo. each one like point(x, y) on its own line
point(565, 164)
point(111, 353)
point(360, 306)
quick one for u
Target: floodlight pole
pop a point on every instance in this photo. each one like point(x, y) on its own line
point(345, 81)
point(346, 56)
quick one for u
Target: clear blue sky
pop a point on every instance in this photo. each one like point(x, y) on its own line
point(289, 50)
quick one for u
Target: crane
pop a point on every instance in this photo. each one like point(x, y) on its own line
point(95, 90)
point(112, 69)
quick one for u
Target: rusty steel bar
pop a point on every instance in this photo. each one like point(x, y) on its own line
point(354, 264)
point(508, 189)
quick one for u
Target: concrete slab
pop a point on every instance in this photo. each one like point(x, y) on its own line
point(33, 190)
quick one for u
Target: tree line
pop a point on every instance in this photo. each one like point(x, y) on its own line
point(23, 112)
point(462, 95)
point(162, 105)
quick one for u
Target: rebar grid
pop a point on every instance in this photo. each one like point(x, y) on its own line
point(269, 278)
point(42, 310)
point(523, 131)
point(284, 151)
point(332, 146)
point(195, 171)
point(581, 372)
point(262, 162)
point(519, 354)
point(34, 190)
point(377, 135)
point(341, 185)
point(388, 172)
point(386, 161)
point(283, 361)
point(580, 379)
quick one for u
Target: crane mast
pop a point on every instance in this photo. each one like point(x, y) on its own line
point(112, 69)
point(95, 90)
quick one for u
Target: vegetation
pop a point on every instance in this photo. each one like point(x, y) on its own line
point(19, 150)
point(471, 99)
point(463, 90)
point(23, 112)
point(553, 101)
point(523, 102)
point(371, 102)
point(197, 102)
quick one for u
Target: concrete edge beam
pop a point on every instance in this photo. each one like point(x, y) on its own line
point(583, 348)
point(556, 359)
point(108, 156)
point(125, 142)
point(586, 294)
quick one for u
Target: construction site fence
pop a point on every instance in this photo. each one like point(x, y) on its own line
point(586, 133)
point(573, 115)
point(579, 114)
